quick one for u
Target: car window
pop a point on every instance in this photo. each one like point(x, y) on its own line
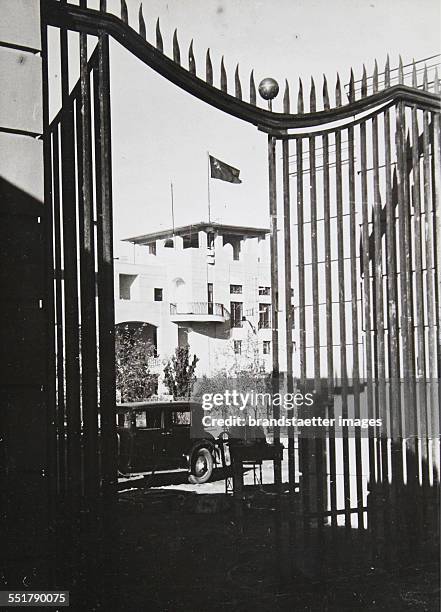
point(148, 419)
point(123, 419)
point(181, 418)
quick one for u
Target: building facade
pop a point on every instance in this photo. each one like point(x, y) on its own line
point(206, 286)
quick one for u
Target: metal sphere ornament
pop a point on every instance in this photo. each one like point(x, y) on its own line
point(268, 88)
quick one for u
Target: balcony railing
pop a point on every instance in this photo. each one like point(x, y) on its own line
point(199, 308)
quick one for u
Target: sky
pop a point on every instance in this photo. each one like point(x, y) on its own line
point(161, 134)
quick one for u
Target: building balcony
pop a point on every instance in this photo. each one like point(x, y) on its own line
point(198, 312)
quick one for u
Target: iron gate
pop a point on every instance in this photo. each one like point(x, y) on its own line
point(361, 234)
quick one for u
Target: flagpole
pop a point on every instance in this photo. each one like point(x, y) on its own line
point(172, 207)
point(208, 187)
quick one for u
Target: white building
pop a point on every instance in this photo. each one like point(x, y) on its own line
point(206, 286)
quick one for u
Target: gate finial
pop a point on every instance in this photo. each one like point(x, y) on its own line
point(312, 104)
point(159, 41)
point(300, 108)
point(414, 74)
point(286, 97)
point(208, 68)
point(387, 72)
point(375, 78)
point(124, 12)
point(252, 89)
point(176, 50)
point(142, 30)
point(338, 91)
point(191, 60)
point(223, 77)
point(400, 71)
point(351, 87)
point(237, 85)
point(326, 104)
point(425, 79)
point(364, 83)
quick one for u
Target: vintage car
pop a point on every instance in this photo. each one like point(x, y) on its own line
point(155, 436)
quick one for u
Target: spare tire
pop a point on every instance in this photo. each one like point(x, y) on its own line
point(201, 466)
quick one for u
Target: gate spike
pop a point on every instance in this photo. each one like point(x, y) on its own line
point(338, 91)
point(387, 72)
point(159, 42)
point(375, 78)
point(436, 79)
point(124, 12)
point(364, 83)
point(252, 89)
point(191, 60)
point(351, 87)
point(312, 97)
point(286, 97)
point(176, 50)
point(400, 71)
point(326, 104)
point(237, 85)
point(103, 5)
point(414, 74)
point(142, 30)
point(425, 79)
point(300, 107)
point(208, 68)
point(223, 76)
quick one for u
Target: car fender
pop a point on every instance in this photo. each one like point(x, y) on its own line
point(201, 443)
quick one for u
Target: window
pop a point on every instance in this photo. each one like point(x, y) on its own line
point(292, 292)
point(152, 248)
point(266, 347)
point(236, 310)
point(237, 346)
point(210, 240)
point(181, 418)
point(264, 316)
point(264, 290)
point(125, 286)
point(158, 294)
point(236, 289)
point(210, 297)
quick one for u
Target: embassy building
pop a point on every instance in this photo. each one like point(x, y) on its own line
point(205, 286)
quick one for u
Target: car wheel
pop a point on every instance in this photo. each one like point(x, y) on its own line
point(201, 466)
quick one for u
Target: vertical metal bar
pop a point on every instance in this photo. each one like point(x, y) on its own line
point(436, 156)
point(303, 441)
point(379, 315)
point(436, 159)
point(73, 415)
point(342, 318)
point(288, 298)
point(431, 316)
point(367, 308)
point(329, 330)
point(420, 421)
point(354, 312)
point(402, 213)
point(49, 302)
point(274, 294)
point(392, 322)
point(87, 278)
point(57, 216)
point(105, 270)
point(315, 315)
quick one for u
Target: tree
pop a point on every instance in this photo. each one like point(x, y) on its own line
point(134, 380)
point(179, 373)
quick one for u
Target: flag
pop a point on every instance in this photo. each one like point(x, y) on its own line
point(224, 172)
